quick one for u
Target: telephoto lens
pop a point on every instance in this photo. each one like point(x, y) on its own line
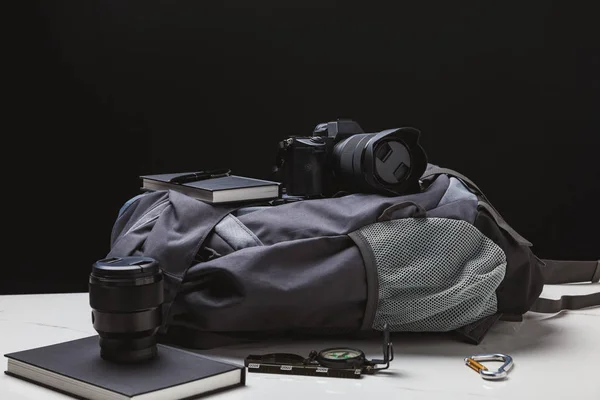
point(126, 296)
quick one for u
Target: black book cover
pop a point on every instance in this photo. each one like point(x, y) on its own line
point(214, 184)
point(80, 360)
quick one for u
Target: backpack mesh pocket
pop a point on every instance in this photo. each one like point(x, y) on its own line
point(435, 274)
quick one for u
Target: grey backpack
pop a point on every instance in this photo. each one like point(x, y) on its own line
point(440, 260)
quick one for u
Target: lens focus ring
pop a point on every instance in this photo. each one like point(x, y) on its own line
point(126, 298)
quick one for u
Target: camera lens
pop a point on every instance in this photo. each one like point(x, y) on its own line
point(126, 295)
point(388, 162)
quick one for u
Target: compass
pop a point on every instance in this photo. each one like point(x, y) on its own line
point(341, 357)
point(339, 362)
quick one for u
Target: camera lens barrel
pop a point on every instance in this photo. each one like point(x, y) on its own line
point(348, 155)
point(126, 295)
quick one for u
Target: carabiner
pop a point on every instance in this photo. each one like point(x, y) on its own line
point(473, 363)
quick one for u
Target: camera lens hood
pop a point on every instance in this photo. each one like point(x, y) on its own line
point(394, 161)
point(389, 162)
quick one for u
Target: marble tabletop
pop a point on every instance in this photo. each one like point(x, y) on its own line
point(555, 356)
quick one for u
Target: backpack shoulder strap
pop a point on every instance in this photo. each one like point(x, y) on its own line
point(555, 271)
point(550, 306)
point(563, 271)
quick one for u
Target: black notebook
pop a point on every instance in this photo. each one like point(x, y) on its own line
point(231, 188)
point(76, 369)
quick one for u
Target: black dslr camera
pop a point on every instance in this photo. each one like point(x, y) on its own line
point(341, 157)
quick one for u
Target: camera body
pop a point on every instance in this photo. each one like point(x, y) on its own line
point(341, 157)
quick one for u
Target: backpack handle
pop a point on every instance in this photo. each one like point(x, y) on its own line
point(417, 212)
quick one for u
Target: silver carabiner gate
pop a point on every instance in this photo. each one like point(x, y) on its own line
point(473, 363)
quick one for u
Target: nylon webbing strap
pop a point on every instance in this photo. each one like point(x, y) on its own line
point(543, 305)
point(563, 271)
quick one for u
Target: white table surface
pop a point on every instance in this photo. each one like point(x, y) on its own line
point(555, 356)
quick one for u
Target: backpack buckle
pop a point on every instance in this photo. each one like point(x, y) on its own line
point(473, 363)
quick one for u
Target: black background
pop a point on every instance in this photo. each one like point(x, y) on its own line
point(107, 91)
